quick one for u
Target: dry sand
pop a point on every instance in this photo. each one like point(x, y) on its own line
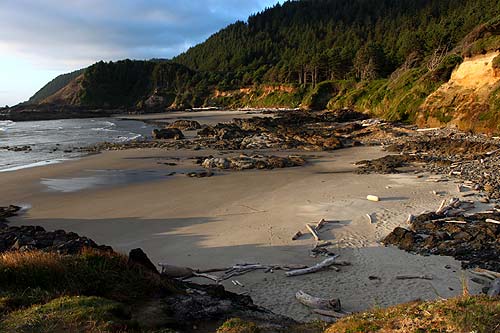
point(249, 217)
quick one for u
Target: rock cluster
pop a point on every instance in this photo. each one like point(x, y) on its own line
point(27, 238)
point(473, 159)
point(244, 162)
point(167, 133)
point(17, 148)
point(385, 165)
point(9, 211)
point(185, 125)
point(475, 241)
point(311, 131)
point(213, 302)
point(300, 130)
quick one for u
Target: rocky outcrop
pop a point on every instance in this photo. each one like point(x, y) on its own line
point(245, 162)
point(475, 242)
point(168, 133)
point(28, 238)
point(138, 257)
point(185, 125)
point(213, 302)
point(9, 211)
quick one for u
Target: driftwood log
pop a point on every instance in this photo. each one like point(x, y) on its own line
point(486, 273)
point(414, 277)
point(176, 272)
point(321, 224)
point(313, 269)
point(330, 313)
point(313, 232)
point(297, 235)
point(453, 207)
point(318, 303)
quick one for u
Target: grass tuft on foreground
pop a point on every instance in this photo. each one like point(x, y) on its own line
point(69, 314)
point(479, 314)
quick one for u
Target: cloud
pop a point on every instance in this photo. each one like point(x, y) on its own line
point(61, 34)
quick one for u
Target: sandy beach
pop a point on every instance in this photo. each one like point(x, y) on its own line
point(247, 217)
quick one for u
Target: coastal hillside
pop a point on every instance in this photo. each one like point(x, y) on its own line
point(385, 57)
point(54, 86)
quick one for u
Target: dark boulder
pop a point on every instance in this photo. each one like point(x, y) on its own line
point(168, 133)
point(138, 257)
point(36, 238)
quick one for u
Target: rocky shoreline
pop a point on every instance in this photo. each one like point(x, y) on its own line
point(300, 130)
point(474, 239)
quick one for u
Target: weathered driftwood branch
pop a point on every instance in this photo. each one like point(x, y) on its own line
point(428, 129)
point(455, 221)
point(330, 313)
point(297, 235)
point(206, 276)
point(454, 204)
point(486, 273)
point(318, 303)
point(492, 221)
point(321, 224)
point(313, 269)
point(175, 271)
point(212, 270)
point(313, 232)
point(413, 277)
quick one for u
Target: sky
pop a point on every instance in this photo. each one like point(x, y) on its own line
point(40, 39)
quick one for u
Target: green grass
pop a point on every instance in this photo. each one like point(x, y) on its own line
point(90, 273)
point(69, 314)
point(482, 45)
point(479, 314)
point(237, 325)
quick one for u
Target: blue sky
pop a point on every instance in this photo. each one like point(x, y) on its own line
point(40, 39)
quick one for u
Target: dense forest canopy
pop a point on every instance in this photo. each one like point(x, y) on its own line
point(310, 41)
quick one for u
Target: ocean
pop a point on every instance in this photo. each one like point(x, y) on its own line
point(54, 141)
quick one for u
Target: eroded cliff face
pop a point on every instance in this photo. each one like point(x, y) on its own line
point(69, 95)
point(469, 100)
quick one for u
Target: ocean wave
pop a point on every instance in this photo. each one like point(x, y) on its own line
point(133, 136)
point(33, 165)
point(103, 129)
point(5, 124)
point(109, 124)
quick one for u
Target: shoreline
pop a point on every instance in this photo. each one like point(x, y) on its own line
point(209, 116)
point(250, 216)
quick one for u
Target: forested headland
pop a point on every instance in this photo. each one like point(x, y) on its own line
point(385, 57)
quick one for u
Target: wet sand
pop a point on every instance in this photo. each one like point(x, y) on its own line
point(249, 217)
